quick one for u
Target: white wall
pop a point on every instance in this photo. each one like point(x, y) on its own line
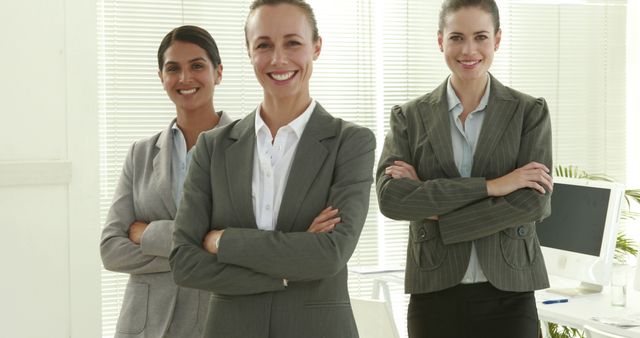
point(633, 100)
point(50, 285)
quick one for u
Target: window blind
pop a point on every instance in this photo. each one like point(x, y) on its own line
point(572, 53)
point(376, 54)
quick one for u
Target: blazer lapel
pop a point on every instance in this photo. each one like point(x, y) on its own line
point(308, 159)
point(161, 177)
point(239, 168)
point(499, 112)
point(435, 117)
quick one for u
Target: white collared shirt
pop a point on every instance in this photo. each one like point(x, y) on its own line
point(464, 139)
point(272, 159)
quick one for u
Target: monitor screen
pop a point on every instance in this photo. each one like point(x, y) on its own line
point(578, 216)
point(578, 238)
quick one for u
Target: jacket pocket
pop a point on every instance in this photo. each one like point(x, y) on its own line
point(204, 298)
point(133, 316)
point(519, 246)
point(327, 304)
point(217, 297)
point(426, 246)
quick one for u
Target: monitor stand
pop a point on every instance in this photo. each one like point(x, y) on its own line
point(582, 289)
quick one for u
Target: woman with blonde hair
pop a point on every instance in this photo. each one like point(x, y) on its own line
point(274, 204)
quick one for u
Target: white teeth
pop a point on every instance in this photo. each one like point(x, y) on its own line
point(282, 76)
point(187, 91)
point(469, 63)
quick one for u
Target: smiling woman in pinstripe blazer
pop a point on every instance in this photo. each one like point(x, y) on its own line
point(468, 165)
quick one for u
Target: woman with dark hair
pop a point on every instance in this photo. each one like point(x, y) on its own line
point(468, 165)
point(137, 235)
point(274, 204)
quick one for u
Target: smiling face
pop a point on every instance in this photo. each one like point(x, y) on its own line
point(189, 77)
point(282, 50)
point(469, 41)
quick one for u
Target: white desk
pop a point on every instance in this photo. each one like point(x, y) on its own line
point(580, 310)
point(576, 313)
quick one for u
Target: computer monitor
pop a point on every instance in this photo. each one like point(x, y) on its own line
point(578, 239)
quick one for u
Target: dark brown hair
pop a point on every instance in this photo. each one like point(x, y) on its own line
point(451, 6)
point(192, 34)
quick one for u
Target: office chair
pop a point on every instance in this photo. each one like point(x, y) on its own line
point(592, 332)
point(374, 317)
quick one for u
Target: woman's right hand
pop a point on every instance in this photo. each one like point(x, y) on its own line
point(533, 175)
point(325, 221)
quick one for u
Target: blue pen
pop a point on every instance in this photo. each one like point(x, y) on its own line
point(555, 301)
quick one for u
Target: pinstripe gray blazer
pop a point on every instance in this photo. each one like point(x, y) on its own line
point(516, 131)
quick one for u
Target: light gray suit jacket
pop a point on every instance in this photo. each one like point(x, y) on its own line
point(516, 131)
point(332, 166)
point(153, 305)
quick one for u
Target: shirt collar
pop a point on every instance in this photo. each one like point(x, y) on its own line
point(176, 130)
point(297, 125)
point(221, 115)
point(453, 100)
point(174, 126)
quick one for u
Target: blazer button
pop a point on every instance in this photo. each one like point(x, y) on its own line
point(522, 231)
point(423, 233)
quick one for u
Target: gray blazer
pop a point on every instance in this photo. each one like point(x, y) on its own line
point(516, 131)
point(153, 305)
point(332, 166)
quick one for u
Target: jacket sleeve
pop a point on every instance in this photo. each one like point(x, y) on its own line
point(118, 252)
point(302, 256)
point(406, 199)
point(191, 264)
point(491, 215)
point(156, 238)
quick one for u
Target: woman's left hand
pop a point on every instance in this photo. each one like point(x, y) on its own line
point(325, 221)
point(401, 169)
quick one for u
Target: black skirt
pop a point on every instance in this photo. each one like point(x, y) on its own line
point(473, 311)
